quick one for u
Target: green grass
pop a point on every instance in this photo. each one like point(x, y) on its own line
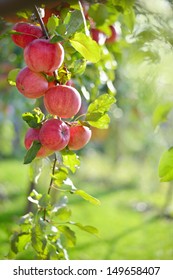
point(13, 190)
point(128, 219)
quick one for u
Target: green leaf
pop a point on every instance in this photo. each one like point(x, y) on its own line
point(98, 120)
point(32, 152)
point(75, 23)
point(87, 197)
point(61, 30)
point(52, 252)
point(44, 201)
point(25, 222)
point(39, 114)
point(6, 34)
point(99, 13)
point(52, 23)
point(12, 75)
point(31, 120)
point(125, 4)
point(97, 111)
point(166, 166)
point(89, 229)
point(129, 19)
point(161, 112)
point(38, 240)
point(34, 119)
point(56, 39)
point(70, 159)
point(60, 175)
point(68, 236)
point(63, 213)
point(78, 66)
point(19, 241)
point(24, 14)
point(102, 104)
point(87, 47)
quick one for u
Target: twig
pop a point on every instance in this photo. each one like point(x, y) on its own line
point(51, 184)
point(53, 172)
point(41, 22)
point(84, 19)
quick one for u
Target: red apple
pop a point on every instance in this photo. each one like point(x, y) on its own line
point(62, 101)
point(54, 135)
point(98, 36)
point(31, 84)
point(113, 36)
point(43, 56)
point(31, 136)
point(29, 32)
point(79, 136)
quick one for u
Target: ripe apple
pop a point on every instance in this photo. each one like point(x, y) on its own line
point(54, 134)
point(62, 101)
point(113, 37)
point(31, 84)
point(29, 33)
point(31, 136)
point(79, 136)
point(43, 56)
point(98, 36)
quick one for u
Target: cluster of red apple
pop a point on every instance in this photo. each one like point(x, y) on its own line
point(43, 58)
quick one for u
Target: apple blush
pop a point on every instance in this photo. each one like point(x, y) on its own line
point(28, 33)
point(79, 137)
point(62, 101)
point(54, 134)
point(32, 135)
point(43, 56)
point(31, 84)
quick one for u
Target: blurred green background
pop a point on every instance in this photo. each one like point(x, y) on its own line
point(120, 165)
